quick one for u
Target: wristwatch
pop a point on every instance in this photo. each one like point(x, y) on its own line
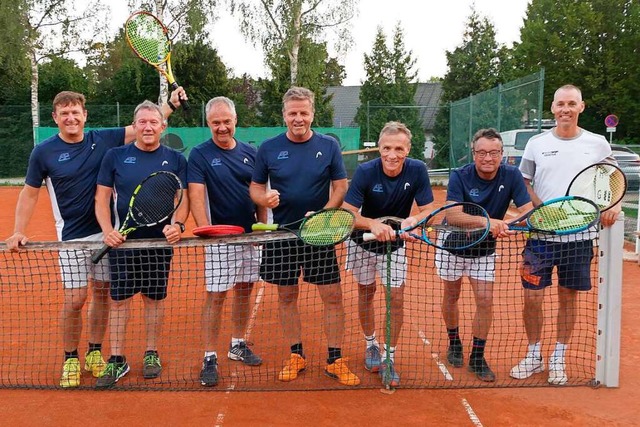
point(181, 225)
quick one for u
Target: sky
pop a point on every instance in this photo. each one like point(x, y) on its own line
point(430, 29)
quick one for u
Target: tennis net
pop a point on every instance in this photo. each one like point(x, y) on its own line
point(31, 350)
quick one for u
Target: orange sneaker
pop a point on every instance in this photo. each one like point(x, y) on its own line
point(340, 371)
point(292, 367)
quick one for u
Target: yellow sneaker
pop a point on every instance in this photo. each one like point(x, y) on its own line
point(340, 371)
point(94, 363)
point(292, 367)
point(70, 373)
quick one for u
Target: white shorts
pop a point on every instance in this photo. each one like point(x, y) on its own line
point(226, 265)
point(76, 266)
point(364, 265)
point(451, 267)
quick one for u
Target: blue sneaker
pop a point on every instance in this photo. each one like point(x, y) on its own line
point(388, 374)
point(372, 359)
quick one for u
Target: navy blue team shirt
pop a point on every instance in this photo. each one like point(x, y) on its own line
point(495, 195)
point(301, 172)
point(227, 176)
point(125, 167)
point(381, 195)
point(70, 171)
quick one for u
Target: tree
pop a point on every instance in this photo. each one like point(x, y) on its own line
point(592, 44)
point(388, 91)
point(283, 24)
point(54, 28)
point(476, 65)
point(317, 71)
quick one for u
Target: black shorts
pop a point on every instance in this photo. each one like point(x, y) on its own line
point(282, 260)
point(139, 270)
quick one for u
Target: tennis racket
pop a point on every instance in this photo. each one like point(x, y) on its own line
point(322, 228)
point(564, 215)
point(149, 40)
point(603, 183)
point(154, 200)
point(217, 230)
point(459, 225)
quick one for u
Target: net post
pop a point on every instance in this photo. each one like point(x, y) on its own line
point(609, 304)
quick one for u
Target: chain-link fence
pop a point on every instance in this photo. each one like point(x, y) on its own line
point(514, 105)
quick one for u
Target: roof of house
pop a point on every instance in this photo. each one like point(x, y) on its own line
point(346, 100)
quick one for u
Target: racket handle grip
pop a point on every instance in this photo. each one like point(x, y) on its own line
point(183, 102)
point(264, 227)
point(98, 255)
point(368, 237)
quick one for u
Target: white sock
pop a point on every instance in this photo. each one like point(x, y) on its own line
point(371, 340)
point(534, 350)
point(558, 352)
point(236, 341)
point(210, 353)
point(392, 353)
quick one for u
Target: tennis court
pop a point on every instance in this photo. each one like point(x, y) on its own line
point(510, 404)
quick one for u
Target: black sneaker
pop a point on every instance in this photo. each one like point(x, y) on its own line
point(455, 356)
point(244, 354)
point(482, 370)
point(111, 374)
point(209, 372)
point(151, 366)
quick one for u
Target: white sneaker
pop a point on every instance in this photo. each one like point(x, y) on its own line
point(557, 374)
point(528, 366)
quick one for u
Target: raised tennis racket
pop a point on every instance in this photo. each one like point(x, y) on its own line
point(154, 200)
point(564, 215)
point(454, 226)
point(322, 228)
point(149, 39)
point(603, 183)
point(217, 230)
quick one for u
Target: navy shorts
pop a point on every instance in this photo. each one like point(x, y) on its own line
point(144, 271)
point(573, 260)
point(282, 261)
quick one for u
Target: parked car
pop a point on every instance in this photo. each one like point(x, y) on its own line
point(629, 162)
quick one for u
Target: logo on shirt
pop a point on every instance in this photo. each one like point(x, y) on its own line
point(377, 188)
point(474, 192)
point(64, 157)
point(164, 162)
point(500, 188)
point(245, 161)
point(216, 162)
point(283, 155)
point(130, 160)
point(550, 153)
point(406, 185)
point(93, 146)
point(318, 154)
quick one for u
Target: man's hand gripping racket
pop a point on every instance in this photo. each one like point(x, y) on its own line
point(454, 226)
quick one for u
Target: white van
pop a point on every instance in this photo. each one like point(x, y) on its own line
point(514, 142)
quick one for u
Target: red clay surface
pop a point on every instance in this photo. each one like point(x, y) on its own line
point(574, 406)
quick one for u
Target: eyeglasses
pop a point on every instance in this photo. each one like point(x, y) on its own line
point(494, 154)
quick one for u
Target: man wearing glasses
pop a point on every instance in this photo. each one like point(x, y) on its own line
point(493, 185)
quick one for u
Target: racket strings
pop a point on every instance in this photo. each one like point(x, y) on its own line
point(461, 226)
point(327, 228)
point(564, 215)
point(602, 183)
point(156, 199)
point(147, 38)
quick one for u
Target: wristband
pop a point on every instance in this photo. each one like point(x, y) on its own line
point(170, 104)
point(181, 225)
